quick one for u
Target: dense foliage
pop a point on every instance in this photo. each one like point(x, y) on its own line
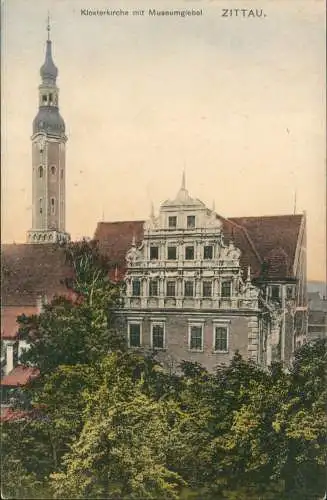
point(106, 423)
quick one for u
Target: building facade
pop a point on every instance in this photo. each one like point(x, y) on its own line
point(191, 293)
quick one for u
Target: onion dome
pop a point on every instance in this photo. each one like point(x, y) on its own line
point(48, 70)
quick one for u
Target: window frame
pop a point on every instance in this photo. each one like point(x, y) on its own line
point(188, 218)
point(174, 282)
point(170, 218)
point(151, 281)
point(134, 280)
point(40, 172)
point(157, 248)
point(53, 205)
point(206, 282)
point(133, 322)
point(217, 324)
point(185, 255)
point(172, 247)
point(195, 324)
point(187, 282)
point(275, 287)
point(204, 252)
point(161, 324)
point(222, 296)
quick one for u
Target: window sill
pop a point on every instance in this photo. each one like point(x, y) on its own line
point(220, 352)
point(195, 350)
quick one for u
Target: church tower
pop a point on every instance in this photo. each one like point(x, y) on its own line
point(48, 160)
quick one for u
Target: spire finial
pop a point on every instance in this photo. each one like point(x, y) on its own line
point(152, 211)
point(183, 179)
point(249, 274)
point(213, 205)
point(48, 25)
point(133, 240)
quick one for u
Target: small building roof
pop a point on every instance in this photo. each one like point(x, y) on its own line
point(19, 376)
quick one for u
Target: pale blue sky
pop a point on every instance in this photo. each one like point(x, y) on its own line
point(142, 97)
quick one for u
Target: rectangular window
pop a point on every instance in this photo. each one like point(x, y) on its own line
point(154, 253)
point(196, 337)
point(172, 222)
point(207, 252)
point(171, 288)
point(189, 289)
point(134, 335)
point(221, 338)
point(226, 289)
point(190, 221)
point(189, 253)
point(171, 253)
point(275, 292)
point(136, 288)
point(153, 288)
point(158, 336)
point(207, 289)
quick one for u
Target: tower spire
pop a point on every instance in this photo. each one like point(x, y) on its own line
point(183, 180)
point(48, 26)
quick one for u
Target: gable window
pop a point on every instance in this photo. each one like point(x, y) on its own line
point(221, 339)
point(136, 288)
point(171, 253)
point(207, 289)
point(207, 252)
point(153, 288)
point(189, 289)
point(189, 253)
point(275, 292)
point(190, 221)
point(196, 337)
point(158, 336)
point(226, 289)
point(171, 288)
point(40, 171)
point(154, 253)
point(172, 222)
point(134, 335)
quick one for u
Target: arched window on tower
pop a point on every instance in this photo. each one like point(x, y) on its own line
point(40, 171)
point(40, 205)
point(62, 173)
point(53, 170)
point(53, 206)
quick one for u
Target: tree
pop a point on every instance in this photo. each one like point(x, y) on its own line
point(80, 330)
point(121, 451)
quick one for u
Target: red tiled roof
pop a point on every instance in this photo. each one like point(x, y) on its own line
point(20, 375)
point(14, 415)
point(10, 415)
point(115, 239)
point(269, 238)
point(9, 314)
point(31, 270)
point(275, 239)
